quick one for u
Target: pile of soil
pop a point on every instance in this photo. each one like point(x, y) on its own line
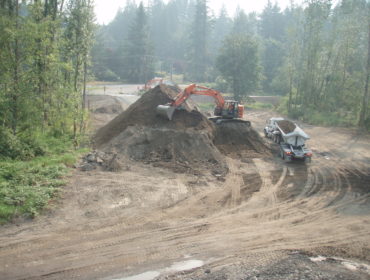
point(183, 144)
point(189, 142)
point(239, 140)
point(287, 126)
point(143, 113)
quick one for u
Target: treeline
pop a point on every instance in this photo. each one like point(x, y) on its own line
point(315, 54)
point(44, 53)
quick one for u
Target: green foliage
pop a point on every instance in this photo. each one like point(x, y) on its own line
point(221, 84)
point(19, 147)
point(272, 59)
point(198, 41)
point(137, 50)
point(106, 74)
point(26, 187)
point(44, 61)
point(238, 63)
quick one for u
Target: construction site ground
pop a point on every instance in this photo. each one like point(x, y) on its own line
point(265, 219)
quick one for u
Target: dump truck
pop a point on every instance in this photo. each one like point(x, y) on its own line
point(290, 137)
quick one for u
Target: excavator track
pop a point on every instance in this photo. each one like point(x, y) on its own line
point(219, 120)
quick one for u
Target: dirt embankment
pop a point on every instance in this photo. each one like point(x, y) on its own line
point(189, 142)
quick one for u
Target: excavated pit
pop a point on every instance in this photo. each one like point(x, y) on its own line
point(189, 142)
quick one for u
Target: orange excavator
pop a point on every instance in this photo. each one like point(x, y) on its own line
point(225, 110)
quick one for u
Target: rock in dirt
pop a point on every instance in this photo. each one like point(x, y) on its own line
point(87, 167)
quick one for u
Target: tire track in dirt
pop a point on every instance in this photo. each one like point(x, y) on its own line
point(262, 208)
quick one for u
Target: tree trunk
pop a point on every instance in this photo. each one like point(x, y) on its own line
point(365, 100)
point(290, 92)
point(15, 95)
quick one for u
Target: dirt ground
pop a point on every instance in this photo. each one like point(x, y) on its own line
point(265, 219)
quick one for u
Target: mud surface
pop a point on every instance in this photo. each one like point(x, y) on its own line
point(265, 219)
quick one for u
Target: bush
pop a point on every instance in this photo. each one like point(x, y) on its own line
point(106, 75)
point(26, 187)
point(221, 84)
point(10, 146)
point(19, 147)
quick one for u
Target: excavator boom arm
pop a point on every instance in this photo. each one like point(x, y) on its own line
point(198, 90)
point(169, 109)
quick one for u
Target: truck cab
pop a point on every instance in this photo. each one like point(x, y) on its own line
point(270, 129)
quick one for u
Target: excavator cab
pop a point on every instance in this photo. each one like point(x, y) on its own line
point(231, 110)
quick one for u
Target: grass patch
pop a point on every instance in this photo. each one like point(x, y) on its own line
point(27, 186)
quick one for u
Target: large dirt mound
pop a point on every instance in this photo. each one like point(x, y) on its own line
point(140, 134)
point(190, 141)
point(143, 113)
point(238, 140)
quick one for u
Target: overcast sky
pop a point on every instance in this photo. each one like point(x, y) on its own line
point(106, 9)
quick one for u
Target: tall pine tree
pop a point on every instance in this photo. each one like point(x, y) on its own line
point(138, 63)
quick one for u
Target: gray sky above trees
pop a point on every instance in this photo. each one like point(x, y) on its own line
point(106, 9)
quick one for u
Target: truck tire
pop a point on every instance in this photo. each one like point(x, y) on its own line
point(307, 159)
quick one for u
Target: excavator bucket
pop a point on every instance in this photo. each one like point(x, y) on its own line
point(166, 111)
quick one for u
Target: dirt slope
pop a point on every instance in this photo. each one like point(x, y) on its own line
point(143, 113)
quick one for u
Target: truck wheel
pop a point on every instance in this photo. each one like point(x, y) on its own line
point(281, 154)
point(307, 159)
point(265, 133)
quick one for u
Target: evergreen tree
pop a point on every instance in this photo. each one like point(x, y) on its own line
point(222, 27)
point(138, 61)
point(272, 22)
point(198, 43)
point(245, 24)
